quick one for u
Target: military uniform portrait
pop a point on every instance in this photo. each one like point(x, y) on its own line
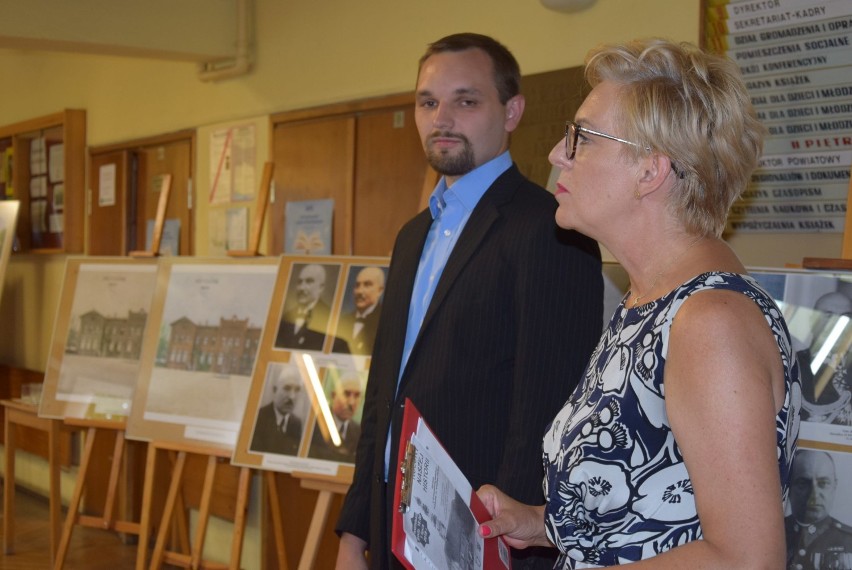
point(825, 358)
point(817, 527)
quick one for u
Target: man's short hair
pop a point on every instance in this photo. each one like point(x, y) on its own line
point(507, 72)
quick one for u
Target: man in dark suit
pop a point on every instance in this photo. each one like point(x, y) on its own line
point(345, 400)
point(490, 314)
point(357, 329)
point(303, 324)
point(278, 429)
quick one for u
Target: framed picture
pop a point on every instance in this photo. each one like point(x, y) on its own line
point(818, 513)
point(97, 338)
point(207, 319)
point(8, 218)
point(320, 381)
point(306, 312)
point(818, 307)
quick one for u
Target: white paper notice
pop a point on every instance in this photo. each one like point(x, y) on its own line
point(106, 185)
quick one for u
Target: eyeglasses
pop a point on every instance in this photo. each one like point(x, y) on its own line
point(572, 135)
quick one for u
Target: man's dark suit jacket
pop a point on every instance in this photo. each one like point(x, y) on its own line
point(310, 336)
point(362, 343)
point(512, 324)
point(268, 438)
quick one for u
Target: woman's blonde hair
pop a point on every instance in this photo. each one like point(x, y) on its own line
point(693, 107)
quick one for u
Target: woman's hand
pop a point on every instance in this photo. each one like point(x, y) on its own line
point(520, 525)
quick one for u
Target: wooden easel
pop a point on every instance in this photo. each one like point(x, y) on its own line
point(190, 557)
point(271, 491)
point(159, 221)
point(327, 490)
point(327, 487)
point(24, 414)
point(259, 214)
point(108, 520)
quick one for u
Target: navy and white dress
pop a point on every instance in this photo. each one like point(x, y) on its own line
point(616, 485)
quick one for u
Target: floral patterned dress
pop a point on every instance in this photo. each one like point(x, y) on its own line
point(616, 485)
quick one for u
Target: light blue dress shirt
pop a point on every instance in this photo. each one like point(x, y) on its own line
point(451, 208)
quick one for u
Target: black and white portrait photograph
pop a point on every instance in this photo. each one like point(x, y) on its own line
point(283, 412)
point(306, 313)
point(360, 310)
point(819, 511)
point(818, 308)
point(335, 436)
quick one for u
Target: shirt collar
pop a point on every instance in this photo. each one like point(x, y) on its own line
point(470, 188)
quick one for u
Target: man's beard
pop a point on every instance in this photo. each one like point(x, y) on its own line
point(452, 164)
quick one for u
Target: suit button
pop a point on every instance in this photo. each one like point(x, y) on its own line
point(388, 404)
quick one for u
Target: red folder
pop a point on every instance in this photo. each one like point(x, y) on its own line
point(495, 554)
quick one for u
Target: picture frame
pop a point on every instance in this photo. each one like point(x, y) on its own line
point(8, 220)
point(97, 338)
point(199, 352)
point(321, 374)
point(817, 307)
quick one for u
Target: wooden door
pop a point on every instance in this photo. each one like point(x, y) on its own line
point(108, 204)
point(389, 171)
point(314, 160)
point(155, 160)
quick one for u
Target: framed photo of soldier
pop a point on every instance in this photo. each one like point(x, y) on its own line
point(818, 514)
point(96, 348)
point(199, 354)
point(818, 309)
point(332, 370)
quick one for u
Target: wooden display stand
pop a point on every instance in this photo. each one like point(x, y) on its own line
point(327, 490)
point(159, 221)
point(107, 521)
point(20, 413)
point(259, 214)
point(189, 557)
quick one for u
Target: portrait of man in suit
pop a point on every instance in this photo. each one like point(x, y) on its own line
point(304, 322)
point(278, 428)
point(357, 327)
point(345, 403)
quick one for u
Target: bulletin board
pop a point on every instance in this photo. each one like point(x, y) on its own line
point(796, 59)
